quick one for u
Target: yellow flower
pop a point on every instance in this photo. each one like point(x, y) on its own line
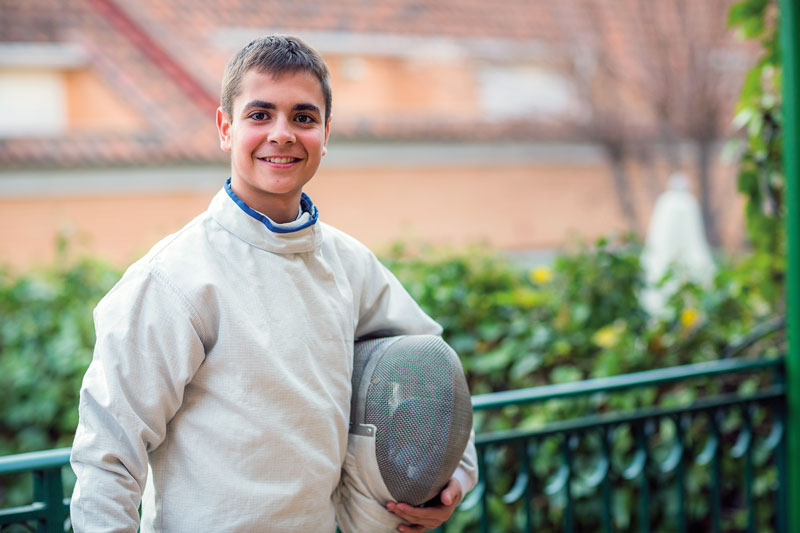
point(541, 275)
point(606, 337)
point(689, 317)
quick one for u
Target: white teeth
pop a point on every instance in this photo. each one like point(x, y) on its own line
point(281, 160)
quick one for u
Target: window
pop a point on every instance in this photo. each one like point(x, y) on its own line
point(32, 102)
point(33, 92)
point(524, 91)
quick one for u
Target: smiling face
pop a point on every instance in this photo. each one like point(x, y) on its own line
point(277, 135)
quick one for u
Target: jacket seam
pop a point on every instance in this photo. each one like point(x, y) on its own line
point(184, 300)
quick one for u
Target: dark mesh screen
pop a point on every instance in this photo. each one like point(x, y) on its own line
point(419, 401)
point(364, 350)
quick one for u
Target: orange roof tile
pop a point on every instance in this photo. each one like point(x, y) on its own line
point(165, 58)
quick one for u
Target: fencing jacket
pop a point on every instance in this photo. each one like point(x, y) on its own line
point(219, 391)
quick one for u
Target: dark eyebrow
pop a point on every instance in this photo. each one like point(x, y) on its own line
point(308, 107)
point(258, 104)
point(261, 104)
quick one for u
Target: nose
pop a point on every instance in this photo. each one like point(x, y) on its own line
point(281, 131)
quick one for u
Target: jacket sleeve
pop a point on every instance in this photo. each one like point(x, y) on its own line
point(387, 309)
point(148, 348)
point(467, 471)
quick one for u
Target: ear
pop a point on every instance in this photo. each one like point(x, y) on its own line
point(224, 130)
point(327, 133)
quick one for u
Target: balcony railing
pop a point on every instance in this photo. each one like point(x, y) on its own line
point(49, 512)
point(592, 469)
point(591, 472)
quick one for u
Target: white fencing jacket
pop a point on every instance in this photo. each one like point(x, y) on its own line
point(219, 391)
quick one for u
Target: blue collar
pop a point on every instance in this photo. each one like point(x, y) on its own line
point(306, 205)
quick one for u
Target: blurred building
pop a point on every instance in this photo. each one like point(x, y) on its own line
point(522, 124)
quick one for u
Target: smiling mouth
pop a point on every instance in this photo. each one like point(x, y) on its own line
point(279, 160)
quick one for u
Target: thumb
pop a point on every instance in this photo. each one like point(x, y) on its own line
point(451, 492)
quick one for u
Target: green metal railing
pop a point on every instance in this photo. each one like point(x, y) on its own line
point(571, 485)
point(49, 511)
point(525, 497)
point(790, 57)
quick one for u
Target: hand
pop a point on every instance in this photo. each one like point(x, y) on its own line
point(422, 518)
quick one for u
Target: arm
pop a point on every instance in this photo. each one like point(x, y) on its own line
point(385, 307)
point(148, 348)
point(390, 310)
point(467, 472)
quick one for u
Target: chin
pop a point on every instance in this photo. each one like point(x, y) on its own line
point(280, 190)
point(274, 187)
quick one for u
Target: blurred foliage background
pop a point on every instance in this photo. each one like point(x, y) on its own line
point(513, 327)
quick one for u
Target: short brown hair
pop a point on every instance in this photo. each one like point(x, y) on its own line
point(274, 54)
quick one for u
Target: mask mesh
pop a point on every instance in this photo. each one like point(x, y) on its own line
point(363, 352)
point(419, 402)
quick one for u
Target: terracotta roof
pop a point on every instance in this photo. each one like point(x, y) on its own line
point(165, 58)
point(519, 19)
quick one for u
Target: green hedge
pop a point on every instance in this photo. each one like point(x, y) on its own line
point(46, 341)
point(579, 318)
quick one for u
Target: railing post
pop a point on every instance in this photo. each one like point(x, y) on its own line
point(48, 490)
point(680, 472)
point(790, 53)
point(716, 474)
point(780, 465)
point(644, 489)
point(482, 472)
point(608, 517)
point(569, 445)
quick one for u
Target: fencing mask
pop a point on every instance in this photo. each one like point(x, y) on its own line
point(410, 421)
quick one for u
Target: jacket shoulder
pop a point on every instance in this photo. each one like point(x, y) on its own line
point(344, 243)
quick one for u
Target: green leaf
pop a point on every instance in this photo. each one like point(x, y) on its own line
point(493, 361)
point(525, 366)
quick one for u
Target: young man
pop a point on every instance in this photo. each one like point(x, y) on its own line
point(219, 391)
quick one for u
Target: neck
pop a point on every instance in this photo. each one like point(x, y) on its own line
point(280, 208)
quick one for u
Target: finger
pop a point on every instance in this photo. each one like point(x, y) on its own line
point(452, 493)
point(415, 513)
point(429, 517)
point(427, 522)
point(409, 528)
point(421, 511)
